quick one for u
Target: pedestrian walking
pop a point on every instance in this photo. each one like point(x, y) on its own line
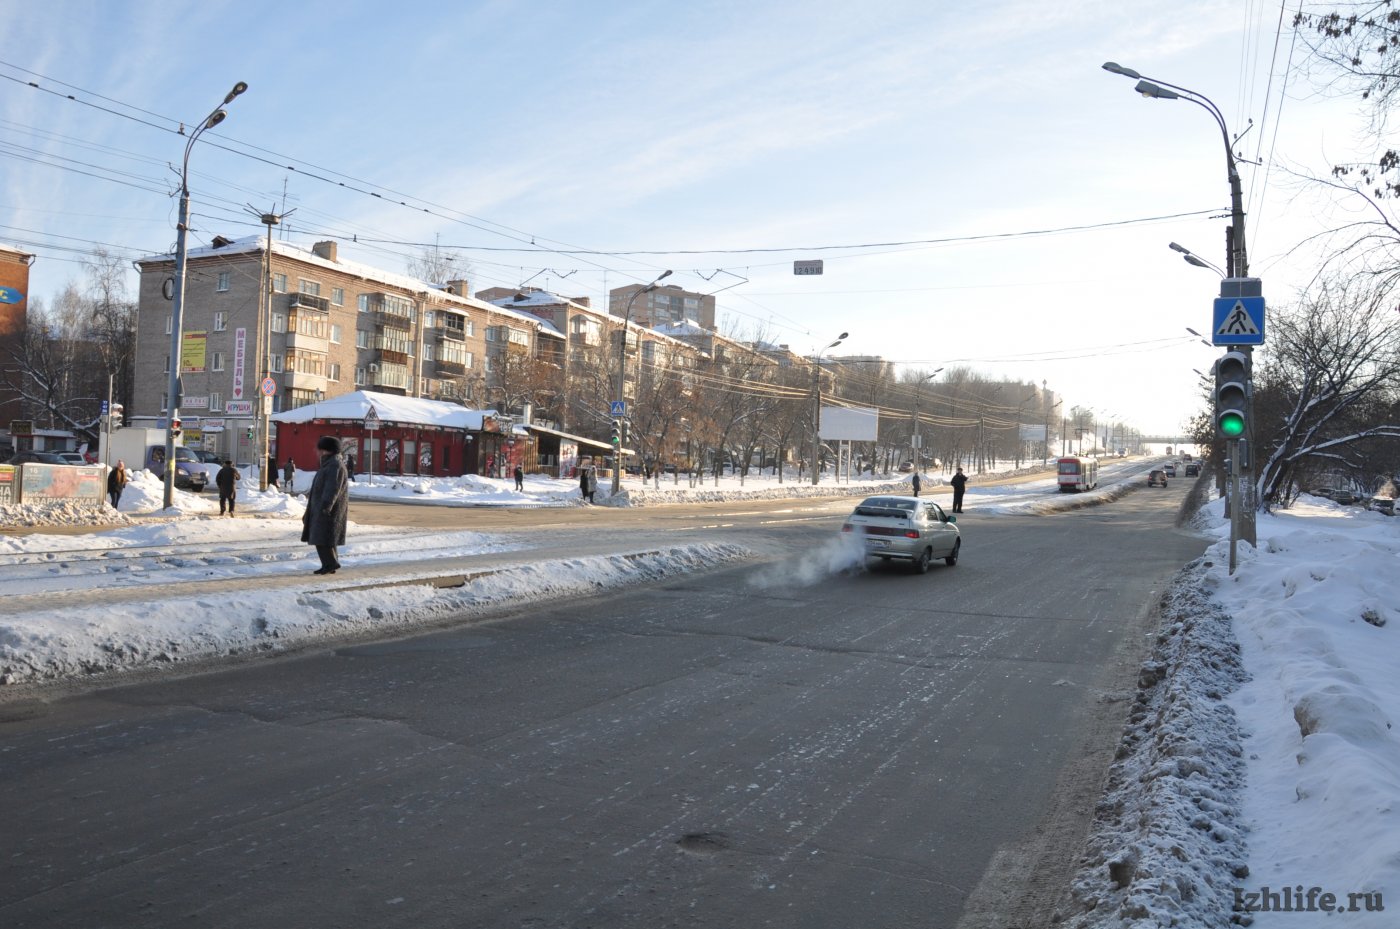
point(327, 506)
point(350, 465)
point(289, 473)
point(917, 483)
point(587, 484)
point(272, 471)
point(959, 482)
point(116, 482)
point(227, 481)
point(519, 478)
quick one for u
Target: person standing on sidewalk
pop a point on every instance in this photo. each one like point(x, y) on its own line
point(917, 483)
point(327, 506)
point(227, 481)
point(519, 478)
point(116, 482)
point(289, 473)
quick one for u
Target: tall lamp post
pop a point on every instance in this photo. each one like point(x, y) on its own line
point(918, 390)
point(1045, 446)
point(1242, 524)
point(817, 411)
point(172, 388)
point(622, 371)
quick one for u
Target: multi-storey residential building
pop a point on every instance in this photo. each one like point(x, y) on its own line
point(14, 302)
point(328, 326)
point(665, 305)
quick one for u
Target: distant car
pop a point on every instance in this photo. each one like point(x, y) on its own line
point(72, 458)
point(1193, 469)
point(1344, 497)
point(905, 529)
point(1170, 469)
point(28, 457)
point(1157, 477)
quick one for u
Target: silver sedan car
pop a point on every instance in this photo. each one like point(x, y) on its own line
point(906, 529)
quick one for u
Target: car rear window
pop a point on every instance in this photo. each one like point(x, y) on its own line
point(886, 506)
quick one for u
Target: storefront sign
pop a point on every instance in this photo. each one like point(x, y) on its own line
point(240, 351)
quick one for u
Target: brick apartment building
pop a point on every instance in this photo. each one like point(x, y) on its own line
point(665, 305)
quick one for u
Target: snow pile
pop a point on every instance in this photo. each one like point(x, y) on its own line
point(59, 513)
point(1167, 848)
point(1260, 765)
point(70, 642)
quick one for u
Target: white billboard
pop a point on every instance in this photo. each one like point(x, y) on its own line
point(849, 424)
point(1034, 432)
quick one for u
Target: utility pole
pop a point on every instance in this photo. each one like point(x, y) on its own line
point(263, 363)
point(817, 410)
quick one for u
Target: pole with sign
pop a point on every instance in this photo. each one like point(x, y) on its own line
point(371, 425)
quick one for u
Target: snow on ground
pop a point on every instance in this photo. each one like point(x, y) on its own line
point(1259, 773)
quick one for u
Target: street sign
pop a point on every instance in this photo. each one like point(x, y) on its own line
point(21, 427)
point(618, 408)
point(807, 267)
point(1238, 321)
point(372, 420)
point(238, 407)
point(10, 295)
point(268, 387)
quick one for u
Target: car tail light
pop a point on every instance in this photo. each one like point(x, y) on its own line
point(911, 533)
point(846, 527)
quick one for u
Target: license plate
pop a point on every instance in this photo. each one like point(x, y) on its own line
point(878, 543)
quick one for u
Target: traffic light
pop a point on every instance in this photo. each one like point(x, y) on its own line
point(1231, 394)
point(175, 428)
point(617, 432)
point(626, 431)
point(115, 415)
point(250, 433)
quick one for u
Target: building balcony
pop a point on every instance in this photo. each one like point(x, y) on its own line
point(451, 366)
point(297, 380)
point(388, 375)
point(309, 302)
point(307, 343)
point(453, 333)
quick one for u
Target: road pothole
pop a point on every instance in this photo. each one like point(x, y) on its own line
point(703, 843)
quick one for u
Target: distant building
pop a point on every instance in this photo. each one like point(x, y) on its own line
point(666, 305)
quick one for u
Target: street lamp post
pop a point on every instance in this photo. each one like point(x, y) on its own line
point(622, 370)
point(817, 411)
point(1242, 524)
point(177, 304)
point(1045, 446)
point(918, 390)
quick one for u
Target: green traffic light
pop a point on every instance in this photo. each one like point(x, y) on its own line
point(1231, 425)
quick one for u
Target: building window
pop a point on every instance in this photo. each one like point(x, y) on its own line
point(222, 286)
point(362, 338)
point(279, 322)
point(277, 363)
point(359, 377)
point(471, 328)
point(310, 287)
point(216, 401)
point(428, 319)
point(279, 283)
point(489, 366)
point(335, 333)
point(333, 371)
point(167, 364)
point(362, 302)
point(427, 353)
point(220, 321)
point(216, 361)
point(168, 321)
point(467, 359)
point(338, 296)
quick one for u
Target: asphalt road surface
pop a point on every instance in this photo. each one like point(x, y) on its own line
point(767, 745)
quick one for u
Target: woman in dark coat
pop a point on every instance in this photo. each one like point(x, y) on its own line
point(327, 506)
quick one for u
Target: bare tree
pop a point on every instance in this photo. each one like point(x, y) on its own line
point(439, 265)
point(1328, 386)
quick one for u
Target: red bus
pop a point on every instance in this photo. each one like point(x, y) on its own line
point(1077, 473)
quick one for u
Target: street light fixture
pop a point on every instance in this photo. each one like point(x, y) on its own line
point(177, 304)
point(1192, 258)
point(622, 369)
point(918, 390)
point(817, 410)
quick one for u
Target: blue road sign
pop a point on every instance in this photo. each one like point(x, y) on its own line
point(619, 408)
point(1238, 321)
point(10, 295)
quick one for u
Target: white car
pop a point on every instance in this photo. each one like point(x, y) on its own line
point(72, 458)
point(906, 529)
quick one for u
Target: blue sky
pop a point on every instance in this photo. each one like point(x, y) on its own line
point(635, 126)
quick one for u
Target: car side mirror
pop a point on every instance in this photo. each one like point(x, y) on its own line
point(951, 519)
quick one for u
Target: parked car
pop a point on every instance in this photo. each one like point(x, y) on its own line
point(1322, 492)
point(26, 457)
point(1170, 469)
point(1157, 477)
point(1344, 497)
point(905, 529)
point(72, 458)
point(1193, 469)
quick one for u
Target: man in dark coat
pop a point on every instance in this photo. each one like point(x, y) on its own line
point(272, 471)
point(959, 482)
point(327, 505)
point(289, 473)
point(917, 483)
point(519, 478)
point(227, 481)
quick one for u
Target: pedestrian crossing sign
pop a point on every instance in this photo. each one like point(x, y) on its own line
point(1238, 321)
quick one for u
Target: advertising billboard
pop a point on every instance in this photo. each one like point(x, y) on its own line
point(849, 424)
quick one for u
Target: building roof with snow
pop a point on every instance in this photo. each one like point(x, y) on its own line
point(391, 408)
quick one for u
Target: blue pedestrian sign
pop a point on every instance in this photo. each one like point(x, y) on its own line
point(1238, 321)
point(619, 408)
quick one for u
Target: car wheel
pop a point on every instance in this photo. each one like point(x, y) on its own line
point(922, 562)
point(952, 558)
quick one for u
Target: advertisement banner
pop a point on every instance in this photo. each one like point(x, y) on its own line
point(240, 350)
point(192, 352)
point(62, 482)
point(7, 484)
